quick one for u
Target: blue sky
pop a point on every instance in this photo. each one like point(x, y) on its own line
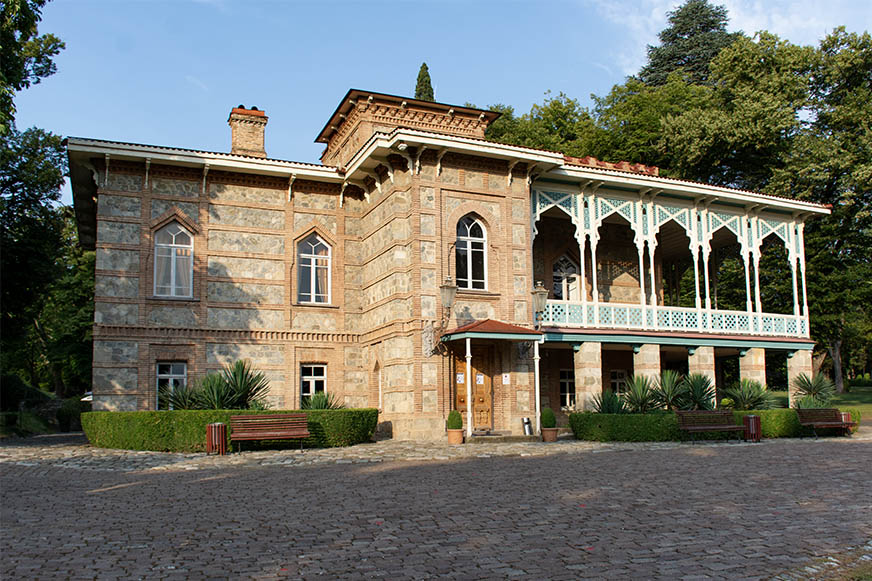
point(168, 72)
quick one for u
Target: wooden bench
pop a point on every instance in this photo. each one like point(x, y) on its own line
point(823, 418)
point(269, 427)
point(707, 421)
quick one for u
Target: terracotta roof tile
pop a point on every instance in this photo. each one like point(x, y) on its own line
point(491, 326)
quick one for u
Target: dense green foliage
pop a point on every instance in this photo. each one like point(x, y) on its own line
point(748, 394)
point(640, 397)
point(48, 280)
point(69, 414)
point(322, 401)
point(237, 387)
point(697, 32)
point(548, 419)
point(26, 56)
point(454, 421)
point(671, 391)
point(423, 87)
point(185, 430)
point(663, 426)
point(756, 113)
point(608, 402)
point(818, 389)
point(14, 392)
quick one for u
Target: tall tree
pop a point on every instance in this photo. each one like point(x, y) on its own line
point(423, 88)
point(25, 56)
point(697, 32)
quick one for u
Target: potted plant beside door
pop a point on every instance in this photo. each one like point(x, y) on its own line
point(454, 427)
point(549, 425)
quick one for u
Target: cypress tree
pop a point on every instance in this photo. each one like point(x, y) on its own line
point(424, 90)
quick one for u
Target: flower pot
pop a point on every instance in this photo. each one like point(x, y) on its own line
point(549, 434)
point(455, 436)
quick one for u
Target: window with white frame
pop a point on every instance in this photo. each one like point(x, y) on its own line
point(471, 255)
point(173, 262)
point(564, 275)
point(170, 375)
point(313, 379)
point(314, 254)
point(567, 388)
point(618, 380)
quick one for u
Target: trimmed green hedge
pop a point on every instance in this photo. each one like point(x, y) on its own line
point(663, 426)
point(185, 430)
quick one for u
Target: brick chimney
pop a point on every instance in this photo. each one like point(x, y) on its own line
point(247, 127)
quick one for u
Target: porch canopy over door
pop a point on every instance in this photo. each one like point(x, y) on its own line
point(498, 331)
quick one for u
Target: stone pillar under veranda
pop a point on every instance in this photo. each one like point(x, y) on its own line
point(587, 360)
point(798, 363)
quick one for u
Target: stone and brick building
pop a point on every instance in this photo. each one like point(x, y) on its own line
point(334, 276)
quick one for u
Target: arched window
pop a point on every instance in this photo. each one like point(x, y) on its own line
point(564, 275)
point(173, 262)
point(471, 254)
point(314, 280)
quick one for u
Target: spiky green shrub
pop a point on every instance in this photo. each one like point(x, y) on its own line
point(809, 403)
point(547, 418)
point(454, 421)
point(819, 388)
point(321, 401)
point(700, 392)
point(748, 394)
point(182, 397)
point(671, 391)
point(608, 402)
point(246, 384)
point(640, 397)
point(214, 393)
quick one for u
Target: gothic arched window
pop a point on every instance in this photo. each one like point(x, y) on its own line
point(471, 254)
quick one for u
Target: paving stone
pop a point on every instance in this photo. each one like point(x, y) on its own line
point(425, 510)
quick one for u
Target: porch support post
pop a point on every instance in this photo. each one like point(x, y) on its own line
point(801, 248)
point(640, 246)
point(695, 254)
point(755, 254)
point(469, 386)
point(537, 386)
point(798, 362)
point(587, 361)
point(582, 251)
point(752, 364)
point(652, 247)
point(593, 269)
point(791, 255)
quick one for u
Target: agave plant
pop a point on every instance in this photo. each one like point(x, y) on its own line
point(700, 392)
point(750, 395)
point(671, 391)
point(180, 397)
point(808, 403)
point(608, 403)
point(246, 385)
point(640, 397)
point(819, 388)
point(321, 401)
point(213, 393)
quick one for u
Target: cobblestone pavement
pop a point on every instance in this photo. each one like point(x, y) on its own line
point(401, 510)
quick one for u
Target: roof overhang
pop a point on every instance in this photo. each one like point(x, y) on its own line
point(84, 179)
point(380, 145)
point(489, 329)
point(699, 191)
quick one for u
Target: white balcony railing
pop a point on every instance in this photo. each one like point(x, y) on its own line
point(679, 319)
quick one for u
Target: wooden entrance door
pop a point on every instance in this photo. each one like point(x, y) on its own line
point(482, 388)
